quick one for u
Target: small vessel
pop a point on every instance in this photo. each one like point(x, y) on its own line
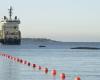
point(9, 30)
point(42, 46)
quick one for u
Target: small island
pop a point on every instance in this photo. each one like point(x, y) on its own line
point(89, 48)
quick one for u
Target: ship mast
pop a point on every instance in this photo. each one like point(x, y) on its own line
point(10, 12)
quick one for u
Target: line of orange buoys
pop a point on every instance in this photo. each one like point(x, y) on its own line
point(45, 70)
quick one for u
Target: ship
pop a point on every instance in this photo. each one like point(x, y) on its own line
point(9, 29)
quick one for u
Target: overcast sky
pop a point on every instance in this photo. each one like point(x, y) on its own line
point(64, 20)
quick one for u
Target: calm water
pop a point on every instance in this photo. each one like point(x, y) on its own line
point(85, 63)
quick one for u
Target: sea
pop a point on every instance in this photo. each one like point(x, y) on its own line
point(84, 63)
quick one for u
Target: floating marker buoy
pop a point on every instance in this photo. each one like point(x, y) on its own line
point(39, 67)
point(18, 60)
point(14, 59)
point(11, 57)
point(8, 56)
point(25, 62)
point(62, 76)
point(3, 54)
point(46, 70)
point(21, 61)
point(77, 78)
point(53, 72)
point(29, 64)
point(34, 65)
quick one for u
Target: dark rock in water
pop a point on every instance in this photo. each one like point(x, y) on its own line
point(42, 46)
point(92, 48)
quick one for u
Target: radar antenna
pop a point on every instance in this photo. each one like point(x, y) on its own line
point(10, 12)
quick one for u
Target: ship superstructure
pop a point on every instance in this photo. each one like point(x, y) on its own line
point(9, 30)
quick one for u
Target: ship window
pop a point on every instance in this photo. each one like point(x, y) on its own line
point(15, 37)
point(15, 27)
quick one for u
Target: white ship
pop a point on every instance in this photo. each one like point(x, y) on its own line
point(9, 30)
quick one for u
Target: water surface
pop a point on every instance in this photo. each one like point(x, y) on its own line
point(84, 63)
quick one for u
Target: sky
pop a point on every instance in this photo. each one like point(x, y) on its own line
point(62, 20)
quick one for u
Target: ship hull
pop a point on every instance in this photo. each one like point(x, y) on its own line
point(11, 41)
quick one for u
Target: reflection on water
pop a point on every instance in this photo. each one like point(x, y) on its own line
point(8, 70)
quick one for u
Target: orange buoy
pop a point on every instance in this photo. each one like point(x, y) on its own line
point(14, 59)
point(3, 54)
point(25, 62)
point(8, 56)
point(46, 70)
point(21, 61)
point(53, 72)
point(62, 76)
point(11, 58)
point(29, 64)
point(34, 65)
point(18, 60)
point(77, 78)
point(39, 67)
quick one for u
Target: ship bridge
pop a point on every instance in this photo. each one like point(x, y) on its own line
point(15, 20)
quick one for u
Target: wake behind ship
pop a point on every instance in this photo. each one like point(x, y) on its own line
point(9, 30)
